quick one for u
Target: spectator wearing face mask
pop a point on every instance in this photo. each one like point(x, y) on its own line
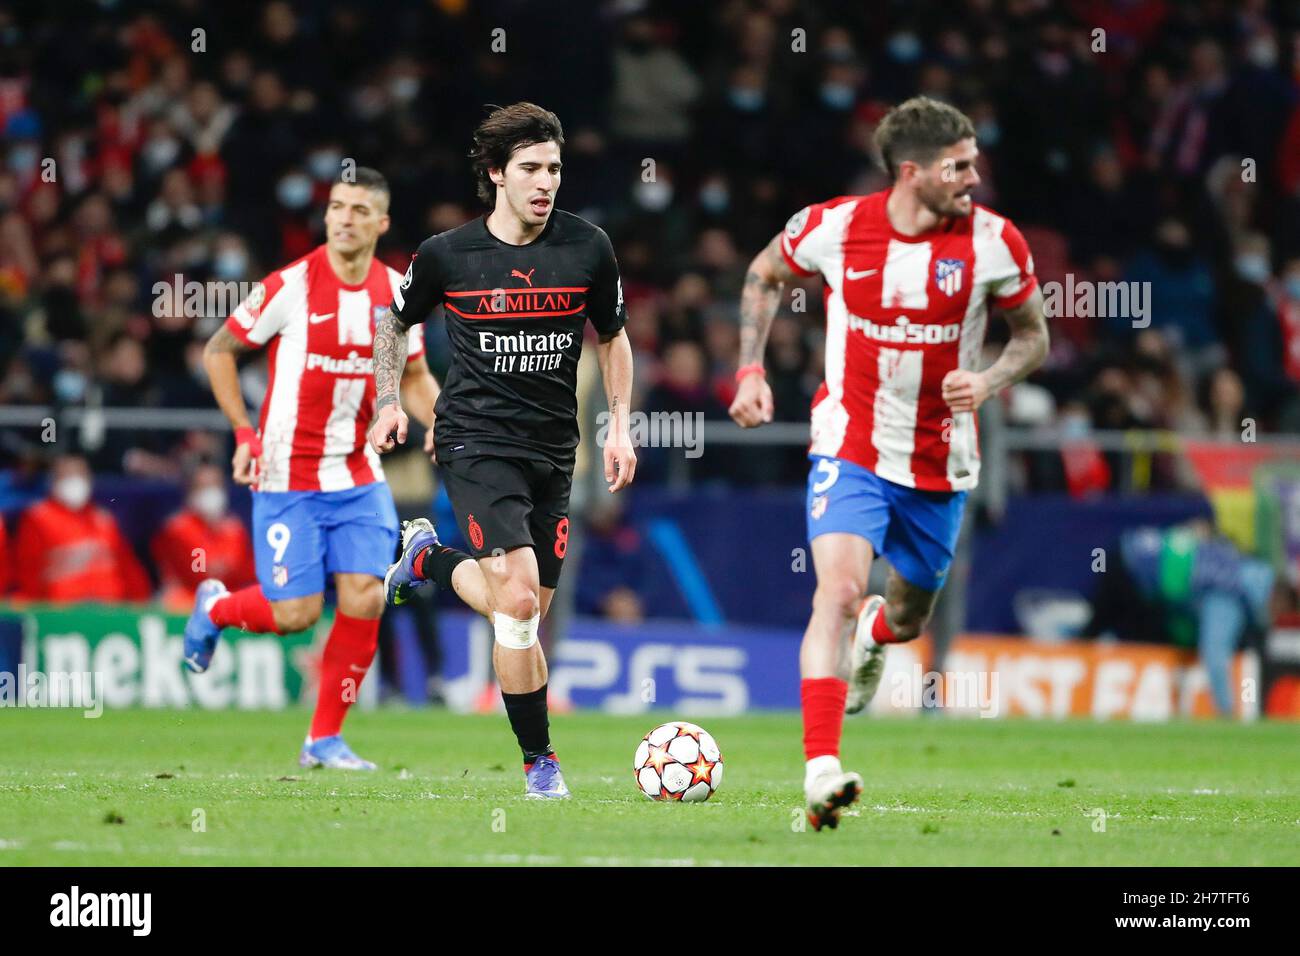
point(202, 540)
point(68, 549)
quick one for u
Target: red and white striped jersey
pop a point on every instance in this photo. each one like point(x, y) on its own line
point(902, 312)
point(321, 394)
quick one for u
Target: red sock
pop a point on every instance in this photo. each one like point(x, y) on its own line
point(348, 653)
point(823, 715)
point(247, 609)
point(880, 630)
point(417, 566)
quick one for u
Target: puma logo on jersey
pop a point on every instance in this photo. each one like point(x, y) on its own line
point(527, 278)
point(315, 319)
point(859, 273)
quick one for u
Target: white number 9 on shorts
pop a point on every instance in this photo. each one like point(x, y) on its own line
point(277, 536)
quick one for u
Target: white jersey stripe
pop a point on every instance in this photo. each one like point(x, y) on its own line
point(354, 317)
point(963, 465)
point(994, 263)
point(282, 415)
point(830, 419)
point(340, 435)
point(907, 272)
point(893, 430)
point(372, 459)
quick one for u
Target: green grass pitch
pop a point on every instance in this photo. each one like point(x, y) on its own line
point(124, 789)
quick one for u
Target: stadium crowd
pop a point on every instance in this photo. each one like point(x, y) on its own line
point(1143, 141)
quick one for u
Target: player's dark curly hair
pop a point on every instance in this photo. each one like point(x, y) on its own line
point(506, 129)
point(917, 129)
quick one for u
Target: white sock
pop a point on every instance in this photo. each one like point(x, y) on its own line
point(828, 763)
point(208, 604)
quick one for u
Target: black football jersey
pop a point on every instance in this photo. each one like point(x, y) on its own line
point(515, 318)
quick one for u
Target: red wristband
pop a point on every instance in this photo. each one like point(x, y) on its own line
point(248, 436)
point(754, 369)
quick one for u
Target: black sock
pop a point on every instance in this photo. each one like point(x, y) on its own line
point(528, 719)
point(436, 562)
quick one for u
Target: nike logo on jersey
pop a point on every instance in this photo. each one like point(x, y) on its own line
point(859, 273)
point(315, 319)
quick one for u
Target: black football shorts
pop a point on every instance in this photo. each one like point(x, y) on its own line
point(506, 503)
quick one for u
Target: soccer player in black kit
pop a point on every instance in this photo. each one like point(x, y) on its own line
point(518, 286)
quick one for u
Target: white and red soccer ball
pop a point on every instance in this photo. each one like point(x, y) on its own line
point(678, 761)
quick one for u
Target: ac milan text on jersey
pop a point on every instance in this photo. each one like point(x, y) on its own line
point(515, 319)
point(321, 395)
point(901, 313)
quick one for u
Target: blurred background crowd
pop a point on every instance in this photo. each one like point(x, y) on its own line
point(1165, 149)
point(1132, 140)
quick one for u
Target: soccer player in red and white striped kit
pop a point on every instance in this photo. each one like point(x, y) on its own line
point(908, 275)
point(320, 502)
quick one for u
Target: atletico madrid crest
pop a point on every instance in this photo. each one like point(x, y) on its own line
point(948, 275)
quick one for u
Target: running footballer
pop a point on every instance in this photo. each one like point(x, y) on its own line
point(518, 286)
point(909, 275)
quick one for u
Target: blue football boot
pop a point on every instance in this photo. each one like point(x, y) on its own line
point(200, 633)
point(400, 581)
point(544, 780)
point(332, 753)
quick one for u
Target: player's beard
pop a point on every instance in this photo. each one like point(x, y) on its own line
point(943, 203)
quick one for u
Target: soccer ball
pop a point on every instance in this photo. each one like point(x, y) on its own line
point(678, 761)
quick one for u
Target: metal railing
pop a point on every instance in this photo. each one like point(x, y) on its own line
point(722, 433)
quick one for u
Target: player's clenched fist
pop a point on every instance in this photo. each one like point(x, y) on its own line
point(964, 390)
point(753, 404)
point(248, 452)
point(390, 422)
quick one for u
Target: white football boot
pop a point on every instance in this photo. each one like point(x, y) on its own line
point(867, 660)
point(827, 790)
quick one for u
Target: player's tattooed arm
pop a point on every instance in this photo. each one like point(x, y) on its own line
point(220, 361)
point(390, 346)
point(223, 340)
point(1027, 347)
point(965, 390)
point(760, 299)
